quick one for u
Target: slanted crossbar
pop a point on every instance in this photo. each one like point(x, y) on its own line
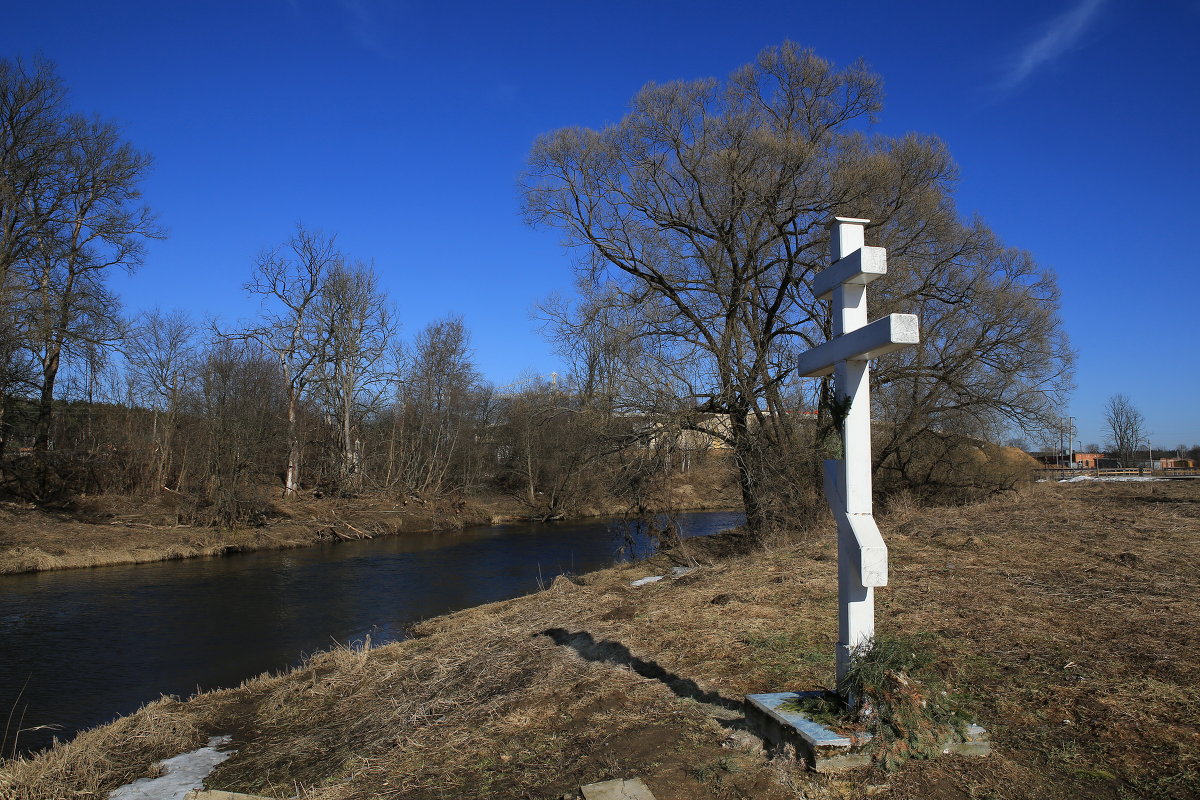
point(867, 549)
point(886, 335)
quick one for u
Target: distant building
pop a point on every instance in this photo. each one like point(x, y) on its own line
point(1065, 460)
point(1052, 460)
point(1176, 463)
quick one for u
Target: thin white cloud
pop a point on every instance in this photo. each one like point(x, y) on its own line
point(364, 24)
point(1061, 35)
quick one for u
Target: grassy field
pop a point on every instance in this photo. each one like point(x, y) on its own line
point(1063, 619)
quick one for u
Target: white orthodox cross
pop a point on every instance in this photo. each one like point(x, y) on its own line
point(862, 554)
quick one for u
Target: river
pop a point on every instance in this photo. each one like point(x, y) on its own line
point(80, 647)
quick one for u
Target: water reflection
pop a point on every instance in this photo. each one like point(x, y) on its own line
point(82, 646)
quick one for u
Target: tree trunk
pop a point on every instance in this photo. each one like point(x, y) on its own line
point(45, 415)
point(349, 451)
point(3, 424)
point(747, 459)
point(530, 487)
point(292, 480)
point(388, 481)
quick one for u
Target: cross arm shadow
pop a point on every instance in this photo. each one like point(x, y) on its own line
point(611, 652)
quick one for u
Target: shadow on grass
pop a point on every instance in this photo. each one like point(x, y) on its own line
point(611, 652)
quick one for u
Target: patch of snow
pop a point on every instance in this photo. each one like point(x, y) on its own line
point(644, 581)
point(1109, 478)
point(180, 775)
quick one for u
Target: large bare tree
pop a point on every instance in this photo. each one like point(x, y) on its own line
point(699, 219)
point(235, 399)
point(291, 279)
point(69, 214)
point(441, 413)
point(32, 138)
point(1126, 426)
point(163, 356)
point(357, 331)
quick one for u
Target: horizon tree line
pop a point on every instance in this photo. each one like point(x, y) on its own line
point(698, 219)
point(318, 395)
point(93, 401)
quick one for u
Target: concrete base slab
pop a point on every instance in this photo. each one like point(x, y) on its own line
point(619, 789)
point(792, 733)
point(825, 750)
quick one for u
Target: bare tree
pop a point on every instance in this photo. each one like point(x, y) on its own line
point(17, 373)
point(290, 280)
point(993, 356)
point(601, 347)
point(31, 136)
point(1126, 426)
point(547, 441)
point(443, 411)
point(31, 142)
point(358, 327)
point(162, 357)
point(161, 351)
point(68, 214)
point(238, 394)
point(699, 220)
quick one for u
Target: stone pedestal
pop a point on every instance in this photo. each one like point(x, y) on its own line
point(792, 734)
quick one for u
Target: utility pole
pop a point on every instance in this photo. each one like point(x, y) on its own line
point(1071, 442)
point(1058, 455)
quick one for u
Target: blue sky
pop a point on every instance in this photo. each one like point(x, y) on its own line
point(403, 127)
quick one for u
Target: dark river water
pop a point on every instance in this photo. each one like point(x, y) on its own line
point(80, 647)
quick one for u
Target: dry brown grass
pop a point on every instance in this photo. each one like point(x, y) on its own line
point(1064, 617)
point(33, 540)
point(112, 529)
point(106, 757)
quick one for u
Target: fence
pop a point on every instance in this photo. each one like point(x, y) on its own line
point(1054, 473)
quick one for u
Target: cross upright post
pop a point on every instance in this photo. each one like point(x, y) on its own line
point(852, 382)
point(862, 554)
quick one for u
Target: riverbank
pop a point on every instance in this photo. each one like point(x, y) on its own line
point(111, 530)
point(1060, 618)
